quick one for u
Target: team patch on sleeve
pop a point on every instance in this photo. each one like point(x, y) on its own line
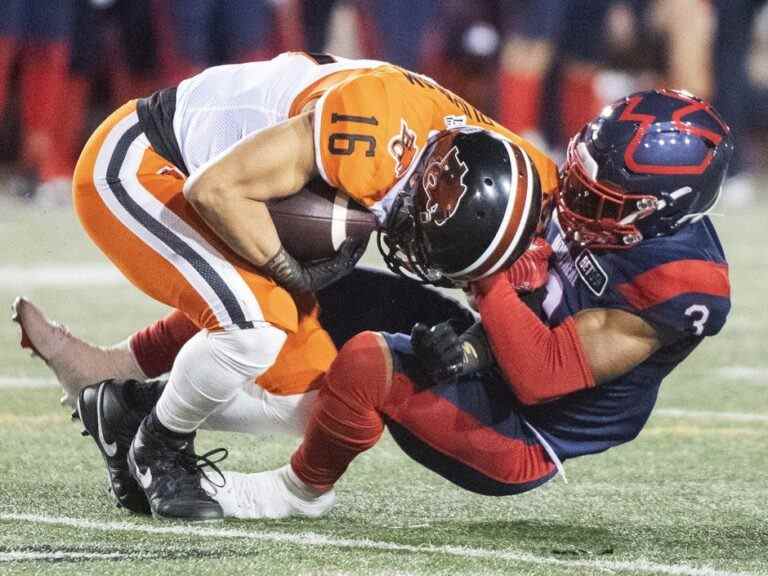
point(691, 296)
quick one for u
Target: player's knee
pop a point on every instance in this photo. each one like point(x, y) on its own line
point(362, 371)
point(249, 352)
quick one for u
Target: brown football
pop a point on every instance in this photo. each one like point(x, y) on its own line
point(313, 223)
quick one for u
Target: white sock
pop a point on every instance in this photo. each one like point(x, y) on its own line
point(253, 410)
point(211, 368)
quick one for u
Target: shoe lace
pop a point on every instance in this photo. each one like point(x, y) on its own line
point(195, 464)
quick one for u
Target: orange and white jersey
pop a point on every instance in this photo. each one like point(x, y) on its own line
point(218, 107)
point(372, 119)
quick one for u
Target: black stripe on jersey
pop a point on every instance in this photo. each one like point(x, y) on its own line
point(165, 234)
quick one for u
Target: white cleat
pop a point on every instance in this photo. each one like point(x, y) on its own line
point(267, 495)
point(75, 363)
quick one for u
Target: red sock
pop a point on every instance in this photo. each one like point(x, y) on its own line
point(345, 420)
point(579, 102)
point(519, 97)
point(8, 50)
point(44, 82)
point(156, 346)
point(288, 26)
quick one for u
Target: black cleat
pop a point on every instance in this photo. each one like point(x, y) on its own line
point(111, 416)
point(170, 473)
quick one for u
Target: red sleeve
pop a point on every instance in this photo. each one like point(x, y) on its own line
point(539, 363)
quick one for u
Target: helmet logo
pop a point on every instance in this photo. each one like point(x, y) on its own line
point(687, 107)
point(443, 183)
point(402, 147)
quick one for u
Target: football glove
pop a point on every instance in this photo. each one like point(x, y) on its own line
point(445, 355)
point(529, 272)
point(299, 278)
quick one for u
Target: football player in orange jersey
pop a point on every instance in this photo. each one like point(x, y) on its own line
point(173, 187)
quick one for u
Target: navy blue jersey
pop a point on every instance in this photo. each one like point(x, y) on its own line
point(677, 283)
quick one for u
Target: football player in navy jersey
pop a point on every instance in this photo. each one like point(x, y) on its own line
point(574, 340)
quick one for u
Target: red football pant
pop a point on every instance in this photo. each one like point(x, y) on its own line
point(345, 420)
point(467, 431)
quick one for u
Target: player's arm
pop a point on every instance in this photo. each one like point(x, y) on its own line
point(614, 341)
point(230, 193)
point(542, 363)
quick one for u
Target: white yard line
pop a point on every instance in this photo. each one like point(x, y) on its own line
point(710, 415)
point(28, 383)
point(27, 277)
point(25, 556)
point(314, 539)
point(749, 374)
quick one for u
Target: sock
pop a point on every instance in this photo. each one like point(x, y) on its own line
point(345, 420)
point(9, 47)
point(579, 101)
point(254, 410)
point(519, 100)
point(156, 428)
point(44, 76)
point(156, 346)
point(211, 368)
point(138, 394)
point(297, 486)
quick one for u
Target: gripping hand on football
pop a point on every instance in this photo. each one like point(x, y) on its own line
point(299, 278)
point(445, 355)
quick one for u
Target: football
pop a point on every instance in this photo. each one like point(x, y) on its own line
point(313, 223)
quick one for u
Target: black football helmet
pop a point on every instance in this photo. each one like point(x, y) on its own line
point(650, 163)
point(469, 207)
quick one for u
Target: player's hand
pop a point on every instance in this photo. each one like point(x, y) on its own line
point(438, 350)
point(446, 355)
point(529, 272)
point(299, 278)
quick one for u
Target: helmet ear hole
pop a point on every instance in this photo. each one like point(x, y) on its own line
point(480, 214)
point(488, 182)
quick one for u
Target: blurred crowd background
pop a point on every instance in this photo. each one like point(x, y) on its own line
point(541, 67)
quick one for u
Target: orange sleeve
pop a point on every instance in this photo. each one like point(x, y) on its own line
point(354, 121)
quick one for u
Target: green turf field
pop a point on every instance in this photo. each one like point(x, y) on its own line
point(688, 497)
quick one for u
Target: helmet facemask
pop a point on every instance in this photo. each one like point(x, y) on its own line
point(399, 242)
point(597, 214)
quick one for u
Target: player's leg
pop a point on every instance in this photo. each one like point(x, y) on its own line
point(467, 432)
point(363, 300)
point(279, 401)
point(380, 301)
point(344, 422)
point(531, 31)
point(76, 363)
point(276, 403)
point(130, 202)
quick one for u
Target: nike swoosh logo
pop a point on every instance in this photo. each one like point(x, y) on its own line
point(109, 447)
point(144, 478)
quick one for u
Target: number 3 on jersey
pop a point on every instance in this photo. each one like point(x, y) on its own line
point(344, 143)
point(699, 315)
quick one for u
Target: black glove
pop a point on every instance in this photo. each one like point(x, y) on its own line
point(445, 355)
point(298, 278)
